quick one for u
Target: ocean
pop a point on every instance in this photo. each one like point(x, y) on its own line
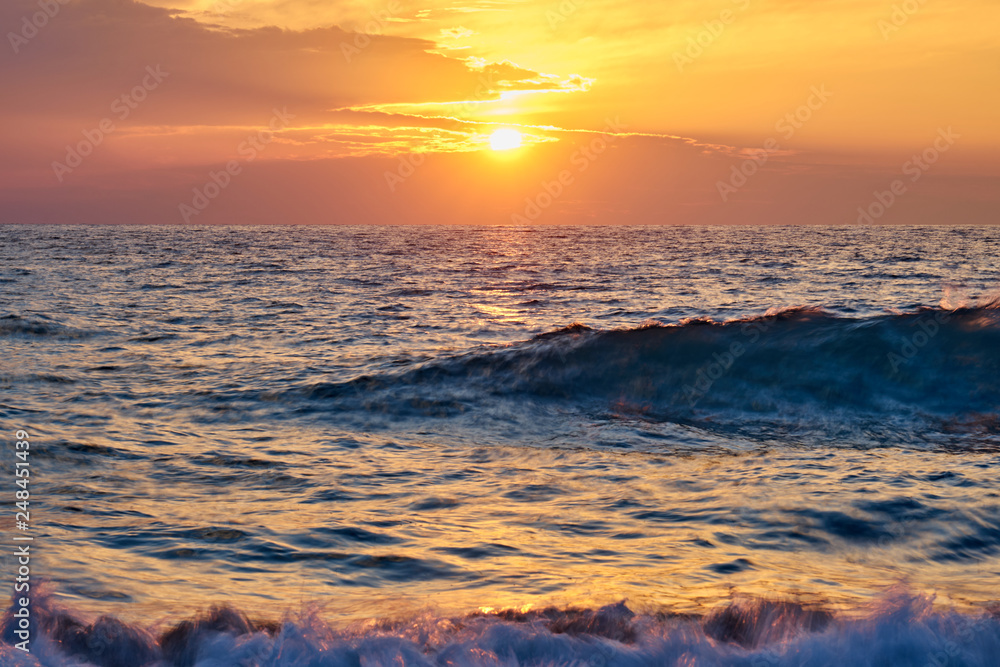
point(356, 445)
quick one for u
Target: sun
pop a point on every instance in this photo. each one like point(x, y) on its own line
point(505, 139)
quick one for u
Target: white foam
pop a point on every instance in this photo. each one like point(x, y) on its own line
point(900, 629)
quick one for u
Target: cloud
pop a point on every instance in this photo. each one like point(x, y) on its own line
point(218, 83)
point(457, 32)
point(358, 103)
point(94, 48)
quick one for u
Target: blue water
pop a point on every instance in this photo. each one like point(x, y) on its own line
point(496, 445)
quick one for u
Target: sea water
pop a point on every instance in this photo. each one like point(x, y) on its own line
point(355, 445)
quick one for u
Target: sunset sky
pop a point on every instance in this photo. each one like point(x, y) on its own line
point(680, 112)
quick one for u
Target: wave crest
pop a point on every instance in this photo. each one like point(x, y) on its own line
point(899, 629)
point(794, 372)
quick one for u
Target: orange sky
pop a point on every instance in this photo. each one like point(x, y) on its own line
point(686, 112)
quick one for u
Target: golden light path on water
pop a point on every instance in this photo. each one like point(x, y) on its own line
point(431, 527)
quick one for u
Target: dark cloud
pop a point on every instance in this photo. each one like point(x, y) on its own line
point(93, 50)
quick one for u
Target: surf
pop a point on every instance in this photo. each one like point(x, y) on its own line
point(925, 378)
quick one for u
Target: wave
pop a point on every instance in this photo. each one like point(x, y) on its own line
point(927, 376)
point(38, 326)
point(900, 629)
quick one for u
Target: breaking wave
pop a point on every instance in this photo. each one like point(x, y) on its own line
point(900, 629)
point(931, 376)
